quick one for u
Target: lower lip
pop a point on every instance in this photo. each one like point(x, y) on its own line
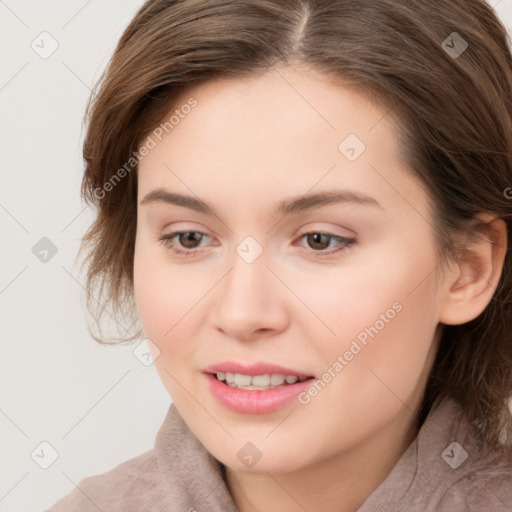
point(255, 401)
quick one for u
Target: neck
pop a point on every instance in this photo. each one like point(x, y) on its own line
point(339, 484)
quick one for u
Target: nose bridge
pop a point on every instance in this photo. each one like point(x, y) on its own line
point(247, 301)
point(246, 282)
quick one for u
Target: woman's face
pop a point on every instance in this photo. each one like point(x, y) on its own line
point(271, 284)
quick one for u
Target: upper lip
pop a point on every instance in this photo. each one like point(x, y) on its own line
point(260, 368)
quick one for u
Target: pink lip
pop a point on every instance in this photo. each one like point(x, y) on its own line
point(255, 401)
point(253, 369)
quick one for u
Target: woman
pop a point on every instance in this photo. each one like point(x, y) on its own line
point(306, 204)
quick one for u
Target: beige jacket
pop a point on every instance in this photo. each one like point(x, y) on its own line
point(443, 470)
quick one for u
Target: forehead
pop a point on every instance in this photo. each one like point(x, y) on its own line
point(281, 105)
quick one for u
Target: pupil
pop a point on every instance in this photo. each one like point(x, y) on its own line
point(316, 237)
point(188, 237)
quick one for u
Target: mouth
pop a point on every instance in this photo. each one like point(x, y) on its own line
point(258, 382)
point(255, 388)
point(255, 376)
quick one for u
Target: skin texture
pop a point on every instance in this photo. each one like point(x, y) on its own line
point(247, 145)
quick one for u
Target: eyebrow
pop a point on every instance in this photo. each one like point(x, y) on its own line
point(291, 205)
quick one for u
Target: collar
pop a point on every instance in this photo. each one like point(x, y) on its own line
point(194, 479)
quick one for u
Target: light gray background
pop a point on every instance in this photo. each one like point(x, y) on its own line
point(97, 406)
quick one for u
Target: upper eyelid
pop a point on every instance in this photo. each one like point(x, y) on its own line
point(305, 232)
point(334, 236)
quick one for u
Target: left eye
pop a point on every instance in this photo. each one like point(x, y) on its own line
point(315, 238)
point(188, 242)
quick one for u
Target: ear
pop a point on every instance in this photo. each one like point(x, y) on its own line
point(472, 284)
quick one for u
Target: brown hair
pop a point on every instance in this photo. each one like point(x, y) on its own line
point(453, 111)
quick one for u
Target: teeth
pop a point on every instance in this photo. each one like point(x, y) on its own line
point(268, 381)
point(257, 380)
point(276, 379)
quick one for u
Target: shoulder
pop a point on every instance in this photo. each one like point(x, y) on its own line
point(132, 485)
point(489, 490)
point(445, 469)
point(459, 473)
point(177, 474)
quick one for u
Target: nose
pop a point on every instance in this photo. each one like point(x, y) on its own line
point(250, 301)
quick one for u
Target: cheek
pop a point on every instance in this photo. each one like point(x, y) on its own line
point(384, 319)
point(163, 293)
point(173, 301)
point(164, 297)
point(368, 291)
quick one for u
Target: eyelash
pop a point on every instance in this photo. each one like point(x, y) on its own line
point(347, 243)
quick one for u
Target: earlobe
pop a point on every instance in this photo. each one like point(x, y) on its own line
point(470, 289)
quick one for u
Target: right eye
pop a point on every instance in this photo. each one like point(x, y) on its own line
point(186, 239)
